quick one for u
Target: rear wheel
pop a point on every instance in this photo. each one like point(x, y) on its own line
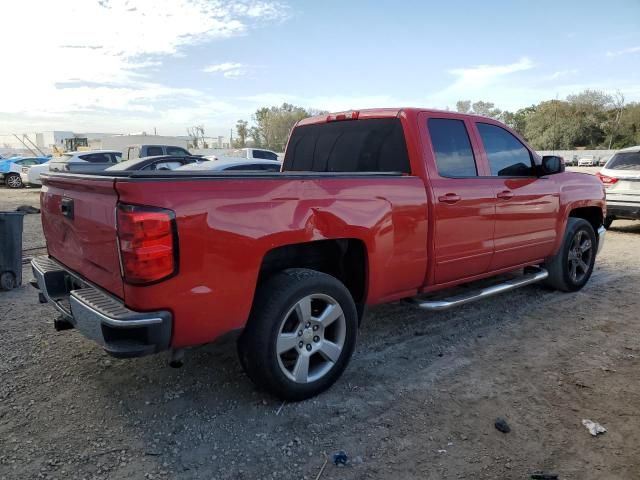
point(571, 268)
point(13, 180)
point(300, 335)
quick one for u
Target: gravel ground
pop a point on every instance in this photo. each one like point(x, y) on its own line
point(419, 399)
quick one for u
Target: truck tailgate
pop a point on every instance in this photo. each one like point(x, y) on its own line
point(79, 222)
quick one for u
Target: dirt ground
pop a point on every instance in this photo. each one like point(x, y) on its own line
point(418, 401)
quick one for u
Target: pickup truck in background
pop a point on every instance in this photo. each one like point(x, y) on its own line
point(140, 151)
point(371, 206)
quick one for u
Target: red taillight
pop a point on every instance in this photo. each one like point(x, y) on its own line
point(606, 179)
point(148, 247)
point(343, 116)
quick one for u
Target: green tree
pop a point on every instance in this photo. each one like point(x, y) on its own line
point(242, 132)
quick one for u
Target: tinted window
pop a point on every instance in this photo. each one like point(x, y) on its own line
point(153, 151)
point(263, 154)
point(97, 158)
point(177, 152)
point(625, 161)
point(247, 167)
point(507, 156)
point(452, 147)
point(373, 145)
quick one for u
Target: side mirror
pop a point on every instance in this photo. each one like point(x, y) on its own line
point(552, 164)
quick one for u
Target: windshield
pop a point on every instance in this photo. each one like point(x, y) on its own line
point(624, 161)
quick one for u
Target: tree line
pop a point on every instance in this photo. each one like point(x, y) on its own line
point(591, 119)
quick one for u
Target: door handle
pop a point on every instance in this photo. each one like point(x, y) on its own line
point(506, 195)
point(449, 198)
point(66, 207)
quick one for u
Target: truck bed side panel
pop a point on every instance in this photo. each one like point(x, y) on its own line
point(226, 227)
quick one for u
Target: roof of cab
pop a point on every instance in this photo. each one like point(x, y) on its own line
point(382, 113)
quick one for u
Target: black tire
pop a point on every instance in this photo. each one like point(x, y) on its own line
point(13, 180)
point(561, 265)
point(608, 221)
point(7, 281)
point(273, 310)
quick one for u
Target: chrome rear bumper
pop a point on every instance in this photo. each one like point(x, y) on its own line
point(99, 316)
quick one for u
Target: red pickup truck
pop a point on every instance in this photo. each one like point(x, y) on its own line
point(371, 206)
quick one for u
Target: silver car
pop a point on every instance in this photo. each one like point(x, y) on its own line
point(621, 178)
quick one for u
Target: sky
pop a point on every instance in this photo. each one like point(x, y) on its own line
point(127, 66)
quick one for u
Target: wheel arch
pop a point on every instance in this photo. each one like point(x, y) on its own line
point(591, 214)
point(345, 259)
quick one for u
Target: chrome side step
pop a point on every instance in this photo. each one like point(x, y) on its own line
point(534, 276)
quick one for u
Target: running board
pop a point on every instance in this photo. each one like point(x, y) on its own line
point(534, 276)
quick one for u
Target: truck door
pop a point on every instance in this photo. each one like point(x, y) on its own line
point(527, 206)
point(462, 199)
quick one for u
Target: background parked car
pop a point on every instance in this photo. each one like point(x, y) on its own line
point(161, 162)
point(602, 161)
point(248, 153)
point(30, 174)
point(621, 178)
point(142, 151)
point(586, 161)
point(234, 164)
point(85, 162)
point(11, 168)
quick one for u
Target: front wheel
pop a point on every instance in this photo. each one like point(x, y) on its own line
point(13, 180)
point(571, 268)
point(300, 334)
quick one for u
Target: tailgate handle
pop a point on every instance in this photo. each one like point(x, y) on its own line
point(66, 207)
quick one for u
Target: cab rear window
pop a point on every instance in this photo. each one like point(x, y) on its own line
point(372, 145)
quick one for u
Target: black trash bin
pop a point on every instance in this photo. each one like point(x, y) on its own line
point(10, 249)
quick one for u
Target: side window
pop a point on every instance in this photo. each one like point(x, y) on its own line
point(96, 158)
point(154, 151)
point(115, 157)
point(507, 156)
point(452, 147)
point(177, 152)
point(249, 167)
point(264, 155)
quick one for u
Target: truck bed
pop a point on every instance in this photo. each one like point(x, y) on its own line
point(226, 228)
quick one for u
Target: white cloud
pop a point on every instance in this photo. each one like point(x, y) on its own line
point(480, 75)
point(625, 51)
point(91, 55)
point(479, 82)
point(228, 69)
point(562, 73)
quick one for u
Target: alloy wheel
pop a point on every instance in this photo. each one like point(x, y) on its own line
point(311, 338)
point(580, 256)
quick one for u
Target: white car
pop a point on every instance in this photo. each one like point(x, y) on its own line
point(85, 162)
point(234, 164)
point(31, 175)
point(248, 153)
point(586, 161)
point(621, 179)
